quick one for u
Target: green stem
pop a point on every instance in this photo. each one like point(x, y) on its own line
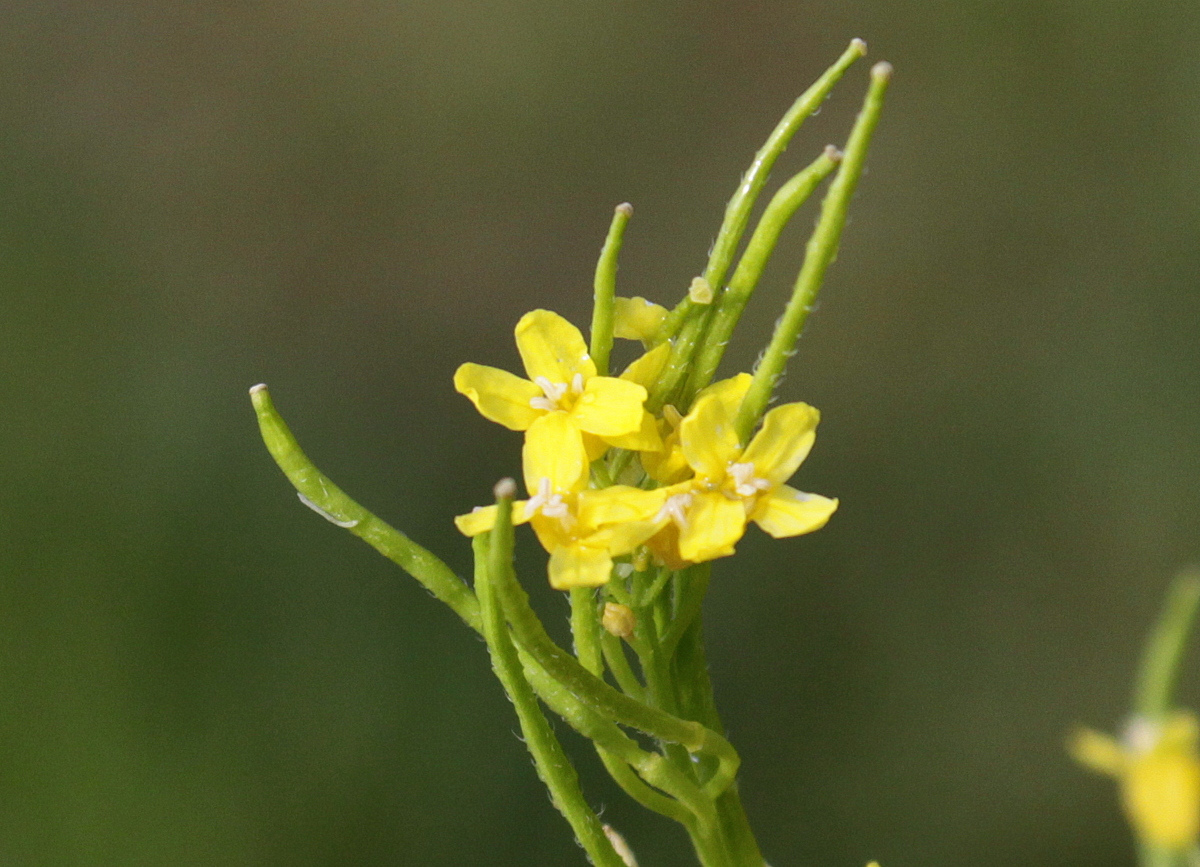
point(618, 664)
point(493, 553)
point(328, 500)
point(602, 476)
point(1157, 856)
point(618, 751)
point(680, 360)
point(820, 253)
point(1164, 648)
point(737, 212)
point(696, 702)
point(650, 593)
point(663, 687)
point(758, 250)
point(603, 699)
point(693, 584)
point(605, 285)
point(585, 629)
point(674, 321)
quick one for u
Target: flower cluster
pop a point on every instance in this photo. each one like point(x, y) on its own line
point(635, 482)
point(694, 486)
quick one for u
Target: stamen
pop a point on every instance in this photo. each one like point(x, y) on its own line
point(745, 483)
point(1141, 735)
point(676, 509)
point(535, 503)
point(551, 504)
point(553, 392)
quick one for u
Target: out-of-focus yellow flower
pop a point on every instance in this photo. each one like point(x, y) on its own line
point(1158, 767)
point(562, 382)
point(582, 529)
point(732, 485)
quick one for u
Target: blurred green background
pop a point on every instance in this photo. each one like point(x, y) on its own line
point(346, 200)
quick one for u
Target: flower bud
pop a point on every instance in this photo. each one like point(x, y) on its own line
point(618, 619)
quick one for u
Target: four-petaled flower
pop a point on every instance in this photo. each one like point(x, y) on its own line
point(562, 383)
point(711, 486)
point(1158, 767)
point(734, 485)
point(582, 529)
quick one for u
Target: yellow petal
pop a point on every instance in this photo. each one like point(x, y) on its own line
point(552, 347)
point(646, 369)
point(619, 504)
point(714, 525)
point(620, 539)
point(609, 406)
point(594, 446)
point(499, 396)
point(665, 546)
point(708, 439)
point(787, 512)
point(645, 439)
point(1161, 795)
point(1096, 751)
point(549, 532)
point(731, 392)
point(667, 465)
point(786, 437)
point(637, 319)
point(579, 566)
point(554, 450)
point(483, 518)
point(1161, 785)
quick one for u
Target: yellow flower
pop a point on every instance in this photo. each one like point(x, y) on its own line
point(1158, 767)
point(582, 529)
point(668, 465)
point(733, 485)
point(562, 382)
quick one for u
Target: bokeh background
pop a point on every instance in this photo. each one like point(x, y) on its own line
point(348, 199)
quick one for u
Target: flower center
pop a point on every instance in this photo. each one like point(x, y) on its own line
point(550, 503)
point(675, 509)
point(557, 395)
point(745, 483)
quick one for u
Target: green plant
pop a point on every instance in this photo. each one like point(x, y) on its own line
point(636, 483)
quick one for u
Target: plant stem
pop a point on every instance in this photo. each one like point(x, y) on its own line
point(679, 362)
point(493, 553)
point(737, 212)
point(605, 285)
point(689, 320)
point(1164, 648)
point(327, 499)
point(603, 699)
point(696, 702)
point(758, 250)
point(618, 664)
point(1157, 856)
point(820, 253)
